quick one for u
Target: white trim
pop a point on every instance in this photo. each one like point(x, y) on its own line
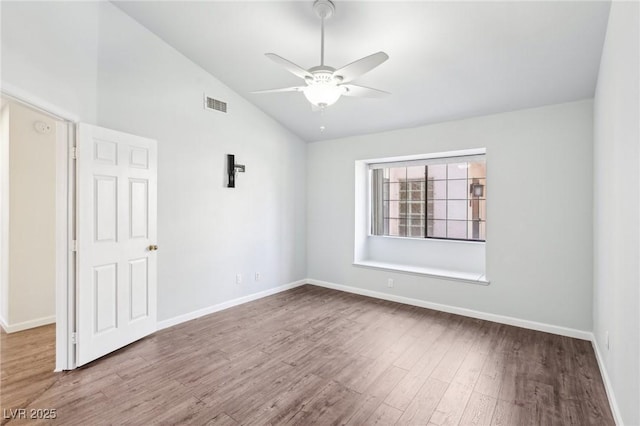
point(32, 100)
point(4, 220)
point(532, 325)
point(64, 216)
point(430, 155)
point(68, 360)
point(3, 324)
point(25, 325)
point(428, 160)
point(61, 253)
point(467, 277)
point(225, 305)
point(607, 382)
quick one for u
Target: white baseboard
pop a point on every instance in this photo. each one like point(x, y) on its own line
point(25, 325)
point(533, 325)
point(607, 382)
point(225, 305)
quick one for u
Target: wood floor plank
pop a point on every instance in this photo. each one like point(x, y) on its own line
point(440, 342)
point(590, 386)
point(366, 407)
point(384, 415)
point(454, 357)
point(422, 343)
point(375, 393)
point(507, 413)
point(283, 406)
point(513, 367)
point(316, 356)
point(386, 382)
point(452, 405)
point(424, 404)
point(402, 395)
point(334, 404)
point(492, 372)
point(479, 410)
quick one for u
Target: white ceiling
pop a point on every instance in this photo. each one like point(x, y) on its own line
point(448, 60)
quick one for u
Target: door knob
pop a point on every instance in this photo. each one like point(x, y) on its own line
point(152, 248)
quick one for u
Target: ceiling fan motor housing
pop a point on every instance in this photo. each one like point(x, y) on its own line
point(323, 74)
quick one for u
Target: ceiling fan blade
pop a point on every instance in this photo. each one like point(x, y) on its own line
point(289, 66)
point(284, 89)
point(361, 66)
point(363, 92)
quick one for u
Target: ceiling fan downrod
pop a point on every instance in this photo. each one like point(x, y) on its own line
point(324, 9)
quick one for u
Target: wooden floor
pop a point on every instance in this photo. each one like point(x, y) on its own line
point(317, 356)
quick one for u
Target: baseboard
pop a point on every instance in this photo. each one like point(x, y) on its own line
point(225, 305)
point(607, 382)
point(25, 325)
point(532, 325)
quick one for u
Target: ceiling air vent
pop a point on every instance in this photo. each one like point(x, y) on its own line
point(214, 104)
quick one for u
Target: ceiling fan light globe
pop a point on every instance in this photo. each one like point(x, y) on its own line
point(322, 94)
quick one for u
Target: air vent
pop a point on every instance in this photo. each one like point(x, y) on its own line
point(214, 104)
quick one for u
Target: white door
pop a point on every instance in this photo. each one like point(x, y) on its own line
point(117, 260)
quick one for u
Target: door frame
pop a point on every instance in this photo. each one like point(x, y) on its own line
point(65, 279)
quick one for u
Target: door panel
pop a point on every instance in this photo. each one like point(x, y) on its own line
point(117, 279)
point(138, 208)
point(139, 287)
point(105, 291)
point(106, 210)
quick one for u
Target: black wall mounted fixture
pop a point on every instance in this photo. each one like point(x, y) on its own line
point(232, 169)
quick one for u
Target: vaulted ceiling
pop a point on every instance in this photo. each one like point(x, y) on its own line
point(448, 60)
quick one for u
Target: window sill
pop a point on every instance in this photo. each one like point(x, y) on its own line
point(469, 277)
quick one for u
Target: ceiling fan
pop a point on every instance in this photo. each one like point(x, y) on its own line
point(326, 84)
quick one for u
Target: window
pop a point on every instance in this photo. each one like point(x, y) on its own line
point(431, 198)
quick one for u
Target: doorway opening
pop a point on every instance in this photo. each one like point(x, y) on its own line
point(36, 224)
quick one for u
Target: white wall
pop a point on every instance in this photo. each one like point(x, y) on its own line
point(51, 50)
point(32, 218)
point(616, 208)
point(539, 229)
point(207, 233)
point(454, 256)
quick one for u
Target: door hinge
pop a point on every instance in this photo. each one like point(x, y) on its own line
point(74, 338)
point(74, 245)
point(74, 153)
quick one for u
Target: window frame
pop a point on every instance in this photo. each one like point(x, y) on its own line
point(443, 158)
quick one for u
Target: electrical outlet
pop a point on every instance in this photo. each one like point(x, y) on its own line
point(390, 283)
point(257, 277)
point(606, 339)
point(238, 278)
